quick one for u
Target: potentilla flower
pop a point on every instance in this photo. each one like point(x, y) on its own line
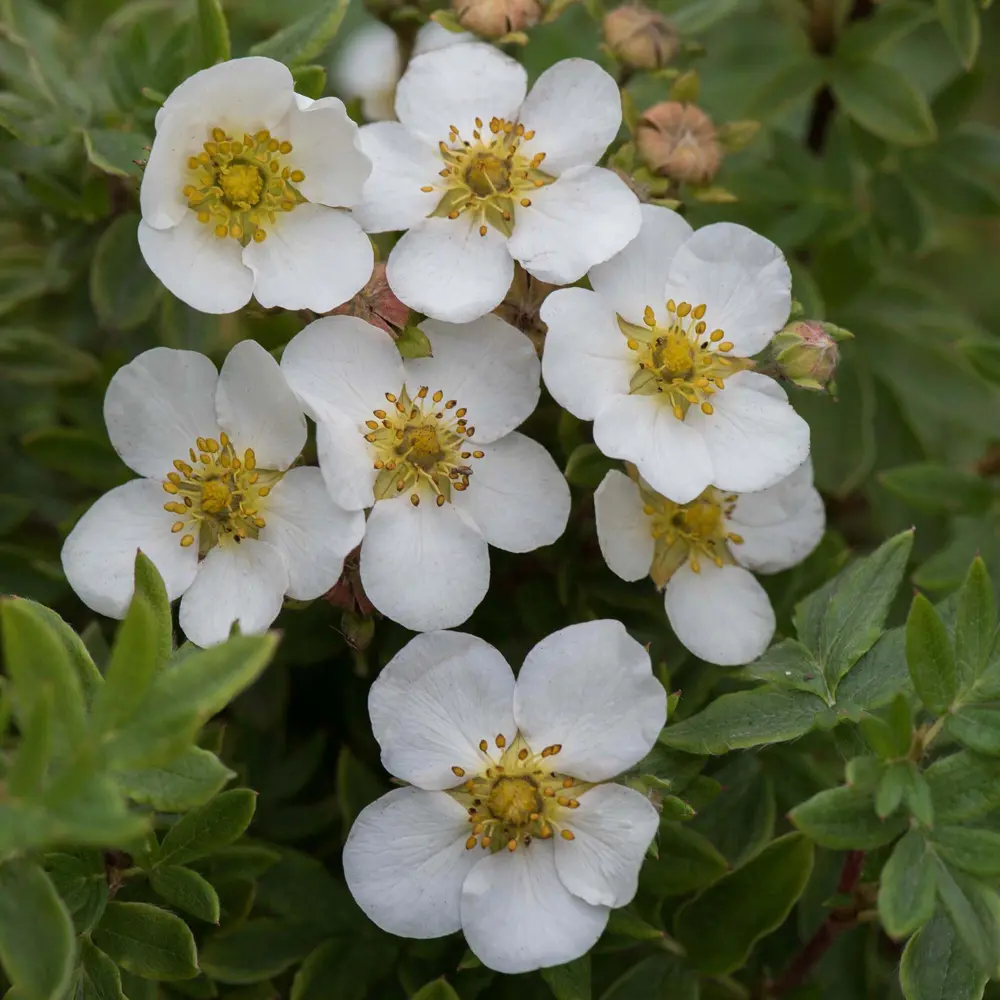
point(244, 190)
point(428, 444)
point(703, 554)
point(227, 522)
point(481, 176)
point(511, 828)
point(658, 356)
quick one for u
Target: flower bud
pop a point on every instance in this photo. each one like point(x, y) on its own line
point(496, 18)
point(640, 38)
point(679, 141)
point(807, 354)
point(376, 304)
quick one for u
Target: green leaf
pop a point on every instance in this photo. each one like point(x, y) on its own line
point(960, 20)
point(974, 851)
point(587, 466)
point(256, 950)
point(864, 38)
point(883, 101)
point(964, 786)
point(974, 909)
point(148, 941)
point(688, 861)
point(81, 879)
point(975, 624)
point(788, 664)
point(720, 926)
point(35, 357)
point(81, 454)
point(890, 790)
point(310, 81)
point(917, 795)
point(878, 676)
point(26, 776)
point(939, 488)
point(907, 887)
point(437, 989)
point(123, 290)
point(116, 152)
point(929, 656)
point(209, 36)
point(984, 356)
point(188, 781)
point(241, 861)
point(214, 825)
point(659, 976)
point(570, 981)
point(976, 727)
point(149, 584)
point(345, 968)
point(844, 819)
point(414, 343)
point(357, 786)
point(936, 966)
point(303, 40)
point(80, 659)
point(96, 978)
point(625, 922)
point(37, 940)
point(186, 890)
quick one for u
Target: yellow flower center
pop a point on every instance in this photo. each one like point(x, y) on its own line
point(238, 186)
point(681, 361)
point(488, 177)
point(513, 800)
point(218, 496)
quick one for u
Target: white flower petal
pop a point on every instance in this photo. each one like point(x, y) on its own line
point(314, 257)
point(753, 438)
point(405, 861)
point(584, 218)
point(722, 615)
point(453, 86)
point(575, 111)
point(518, 497)
point(489, 366)
point(311, 532)
point(156, 407)
point(202, 270)
point(433, 36)
point(445, 269)
point(670, 454)
point(346, 462)
point(590, 688)
point(518, 916)
point(637, 276)
point(244, 583)
point(179, 135)
point(368, 67)
point(435, 701)
point(98, 556)
point(611, 829)
point(741, 277)
point(586, 361)
point(623, 530)
point(425, 567)
point(402, 164)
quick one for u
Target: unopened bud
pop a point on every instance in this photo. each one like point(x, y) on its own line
point(679, 141)
point(807, 354)
point(376, 304)
point(640, 38)
point(496, 18)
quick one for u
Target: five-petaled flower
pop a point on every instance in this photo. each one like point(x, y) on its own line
point(511, 829)
point(244, 190)
point(702, 553)
point(658, 356)
point(227, 522)
point(481, 176)
point(429, 444)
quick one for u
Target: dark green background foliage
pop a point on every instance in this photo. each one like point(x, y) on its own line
point(171, 819)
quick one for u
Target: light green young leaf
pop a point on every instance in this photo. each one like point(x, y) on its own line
point(437, 989)
point(148, 941)
point(214, 825)
point(27, 773)
point(310, 81)
point(960, 20)
point(209, 36)
point(907, 887)
point(936, 966)
point(305, 39)
point(587, 466)
point(186, 890)
point(187, 782)
point(788, 664)
point(929, 656)
point(81, 879)
point(891, 788)
point(844, 819)
point(149, 584)
point(116, 152)
point(883, 101)
point(975, 625)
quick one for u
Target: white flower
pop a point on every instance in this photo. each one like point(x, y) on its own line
point(222, 516)
point(243, 189)
point(482, 176)
point(657, 356)
point(702, 554)
point(510, 829)
point(429, 443)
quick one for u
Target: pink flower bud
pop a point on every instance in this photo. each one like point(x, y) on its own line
point(640, 38)
point(496, 18)
point(376, 304)
point(806, 354)
point(679, 141)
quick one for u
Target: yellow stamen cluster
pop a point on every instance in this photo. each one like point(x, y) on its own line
point(682, 360)
point(238, 186)
point(488, 177)
point(217, 496)
point(421, 442)
point(517, 797)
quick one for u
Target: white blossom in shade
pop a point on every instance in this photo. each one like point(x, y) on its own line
point(245, 193)
point(658, 356)
point(227, 522)
point(429, 444)
point(511, 828)
point(481, 175)
point(703, 554)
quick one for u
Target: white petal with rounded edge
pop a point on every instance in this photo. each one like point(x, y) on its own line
point(402, 164)
point(623, 530)
point(311, 532)
point(98, 556)
point(433, 36)
point(670, 454)
point(454, 86)
point(590, 687)
point(586, 361)
point(722, 615)
point(518, 916)
point(488, 366)
point(313, 258)
point(518, 497)
point(753, 438)
point(425, 567)
point(202, 270)
point(741, 277)
point(611, 829)
point(257, 409)
point(637, 276)
point(179, 135)
point(432, 706)
point(445, 269)
point(584, 218)
point(244, 583)
point(781, 501)
point(346, 461)
point(405, 861)
point(157, 405)
point(575, 111)
point(369, 65)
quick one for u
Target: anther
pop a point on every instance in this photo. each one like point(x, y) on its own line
point(187, 540)
point(470, 843)
point(170, 488)
point(439, 500)
point(522, 755)
point(486, 841)
point(726, 345)
point(484, 746)
point(707, 409)
point(525, 203)
point(568, 783)
point(414, 499)
point(177, 526)
point(715, 336)
point(683, 309)
point(501, 740)
point(562, 800)
point(482, 230)
point(567, 835)
point(459, 772)
point(512, 845)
